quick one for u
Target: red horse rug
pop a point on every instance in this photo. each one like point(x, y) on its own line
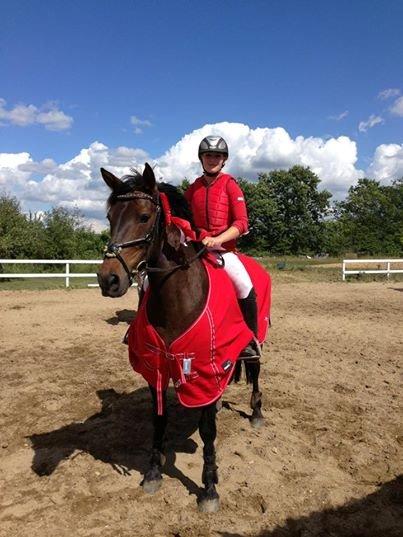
point(200, 362)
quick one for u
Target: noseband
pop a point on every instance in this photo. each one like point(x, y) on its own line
point(113, 249)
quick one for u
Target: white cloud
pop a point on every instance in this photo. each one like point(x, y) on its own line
point(371, 122)
point(78, 183)
point(75, 183)
point(23, 115)
point(340, 116)
point(12, 173)
point(253, 151)
point(139, 123)
point(54, 120)
point(47, 165)
point(13, 160)
point(397, 107)
point(387, 163)
point(388, 93)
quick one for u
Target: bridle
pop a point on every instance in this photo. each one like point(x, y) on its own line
point(113, 249)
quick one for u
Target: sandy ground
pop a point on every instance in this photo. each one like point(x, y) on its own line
point(75, 423)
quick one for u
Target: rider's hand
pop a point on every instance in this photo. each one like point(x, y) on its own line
point(212, 242)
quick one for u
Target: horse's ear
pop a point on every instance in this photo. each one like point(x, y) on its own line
point(173, 236)
point(111, 180)
point(149, 178)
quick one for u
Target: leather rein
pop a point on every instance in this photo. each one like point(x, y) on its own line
point(114, 249)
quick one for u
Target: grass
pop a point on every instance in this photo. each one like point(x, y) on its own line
point(41, 284)
point(37, 284)
point(288, 269)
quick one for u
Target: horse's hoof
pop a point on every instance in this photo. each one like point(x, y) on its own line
point(257, 423)
point(151, 487)
point(209, 505)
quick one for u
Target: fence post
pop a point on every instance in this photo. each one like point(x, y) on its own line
point(67, 274)
point(344, 271)
point(388, 269)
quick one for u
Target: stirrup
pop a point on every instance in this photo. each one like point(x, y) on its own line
point(252, 351)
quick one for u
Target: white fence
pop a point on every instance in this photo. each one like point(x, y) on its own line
point(66, 274)
point(67, 262)
point(386, 262)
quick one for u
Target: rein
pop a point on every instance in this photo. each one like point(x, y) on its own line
point(113, 249)
point(184, 265)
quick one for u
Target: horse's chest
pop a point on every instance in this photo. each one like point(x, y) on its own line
point(171, 320)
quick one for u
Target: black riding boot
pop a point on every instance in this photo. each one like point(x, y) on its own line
point(248, 307)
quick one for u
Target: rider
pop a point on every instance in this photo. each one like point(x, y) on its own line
point(219, 212)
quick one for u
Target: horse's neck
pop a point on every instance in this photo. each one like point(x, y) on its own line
point(178, 298)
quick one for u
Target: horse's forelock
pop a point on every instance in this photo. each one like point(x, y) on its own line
point(128, 184)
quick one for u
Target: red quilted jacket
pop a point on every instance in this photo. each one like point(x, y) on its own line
point(218, 206)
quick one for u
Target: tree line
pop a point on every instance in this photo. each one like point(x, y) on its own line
point(59, 233)
point(288, 215)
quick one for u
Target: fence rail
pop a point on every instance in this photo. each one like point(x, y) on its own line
point(67, 274)
point(387, 262)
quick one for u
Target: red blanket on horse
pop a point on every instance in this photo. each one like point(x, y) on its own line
point(200, 362)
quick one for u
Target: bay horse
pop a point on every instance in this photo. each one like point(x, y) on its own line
point(178, 287)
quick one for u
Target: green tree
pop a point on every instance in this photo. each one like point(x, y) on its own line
point(372, 217)
point(14, 231)
point(335, 241)
point(36, 247)
point(63, 228)
point(184, 186)
point(262, 210)
point(286, 212)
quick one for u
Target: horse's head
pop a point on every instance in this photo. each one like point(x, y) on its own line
point(134, 217)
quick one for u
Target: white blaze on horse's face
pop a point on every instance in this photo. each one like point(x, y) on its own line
point(131, 220)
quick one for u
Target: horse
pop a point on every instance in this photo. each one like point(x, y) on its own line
point(144, 241)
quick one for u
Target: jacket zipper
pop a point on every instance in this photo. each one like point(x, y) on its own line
point(207, 215)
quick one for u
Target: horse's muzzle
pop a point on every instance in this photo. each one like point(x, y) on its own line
point(112, 284)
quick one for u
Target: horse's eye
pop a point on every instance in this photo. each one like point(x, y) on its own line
point(144, 218)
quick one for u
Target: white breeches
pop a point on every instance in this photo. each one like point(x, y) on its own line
point(237, 272)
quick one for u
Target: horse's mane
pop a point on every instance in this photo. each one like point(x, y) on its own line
point(177, 201)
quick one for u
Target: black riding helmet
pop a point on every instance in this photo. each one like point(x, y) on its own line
point(213, 144)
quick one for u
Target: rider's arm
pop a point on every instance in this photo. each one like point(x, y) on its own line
point(238, 207)
point(228, 235)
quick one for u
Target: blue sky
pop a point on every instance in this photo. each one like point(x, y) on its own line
point(143, 74)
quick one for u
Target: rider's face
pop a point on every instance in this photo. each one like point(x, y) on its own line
point(213, 162)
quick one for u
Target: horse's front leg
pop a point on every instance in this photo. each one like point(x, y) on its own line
point(209, 501)
point(153, 478)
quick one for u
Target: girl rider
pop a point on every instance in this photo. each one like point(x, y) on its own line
point(219, 212)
